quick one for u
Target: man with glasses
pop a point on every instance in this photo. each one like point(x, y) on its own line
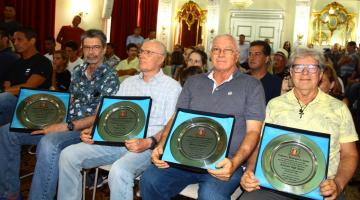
point(89, 83)
point(223, 90)
point(129, 161)
point(307, 107)
point(259, 58)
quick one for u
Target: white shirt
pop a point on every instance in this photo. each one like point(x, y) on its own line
point(72, 65)
point(244, 52)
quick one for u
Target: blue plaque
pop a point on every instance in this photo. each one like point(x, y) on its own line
point(292, 161)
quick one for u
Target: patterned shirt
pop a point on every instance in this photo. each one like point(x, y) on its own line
point(164, 92)
point(112, 61)
point(324, 114)
point(87, 93)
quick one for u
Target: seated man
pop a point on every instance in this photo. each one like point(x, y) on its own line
point(32, 70)
point(71, 48)
point(134, 158)
point(110, 58)
point(129, 66)
point(318, 112)
point(90, 82)
point(224, 90)
point(135, 38)
point(7, 56)
point(49, 47)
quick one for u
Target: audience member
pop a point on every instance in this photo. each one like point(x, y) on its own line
point(167, 65)
point(335, 54)
point(196, 58)
point(89, 83)
point(179, 48)
point(279, 63)
point(129, 161)
point(287, 47)
point(32, 70)
point(110, 58)
point(189, 71)
point(318, 112)
point(7, 56)
point(244, 52)
point(348, 62)
point(10, 25)
point(187, 52)
point(129, 66)
point(70, 33)
point(49, 47)
point(61, 76)
point(152, 36)
point(259, 57)
point(135, 38)
point(71, 49)
point(224, 90)
point(177, 61)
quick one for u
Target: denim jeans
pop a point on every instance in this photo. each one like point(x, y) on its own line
point(46, 170)
point(7, 107)
point(126, 167)
point(157, 184)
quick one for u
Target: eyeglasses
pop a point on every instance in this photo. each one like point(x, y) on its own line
point(148, 52)
point(311, 68)
point(226, 51)
point(95, 47)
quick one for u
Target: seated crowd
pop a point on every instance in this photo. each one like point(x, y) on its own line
point(299, 88)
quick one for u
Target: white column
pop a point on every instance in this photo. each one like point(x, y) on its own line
point(302, 20)
point(163, 28)
point(212, 22)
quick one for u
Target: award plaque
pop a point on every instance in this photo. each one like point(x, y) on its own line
point(36, 109)
point(121, 118)
point(292, 161)
point(198, 140)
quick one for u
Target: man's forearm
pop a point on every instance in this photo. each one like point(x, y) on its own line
point(166, 131)
point(246, 148)
point(83, 123)
point(346, 169)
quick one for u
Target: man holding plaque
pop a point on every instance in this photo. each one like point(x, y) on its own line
point(90, 82)
point(224, 90)
point(129, 161)
point(306, 107)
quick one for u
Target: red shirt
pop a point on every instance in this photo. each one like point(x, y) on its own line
point(68, 33)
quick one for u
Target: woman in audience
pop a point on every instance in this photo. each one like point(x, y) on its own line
point(189, 71)
point(330, 84)
point(287, 47)
point(61, 76)
point(196, 58)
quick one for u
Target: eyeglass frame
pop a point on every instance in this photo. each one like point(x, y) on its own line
point(226, 51)
point(312, 70)
point(94, 47)
point(148, 52)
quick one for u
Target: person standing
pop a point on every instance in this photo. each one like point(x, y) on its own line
point(71, 32)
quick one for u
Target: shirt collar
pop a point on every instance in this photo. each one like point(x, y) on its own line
point(155, 78)
point(319, 96)
point(99, 70)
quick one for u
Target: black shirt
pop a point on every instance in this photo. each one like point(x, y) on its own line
point(7, 58)
point(22, 69)
point(272, 86)
point(63, 80)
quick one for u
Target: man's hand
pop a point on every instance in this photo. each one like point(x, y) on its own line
point(138, 145)
point(249, 182)
point(329, 189)
point(60, 127)
point(85, 136)
point(225, 170)
point(155, 158)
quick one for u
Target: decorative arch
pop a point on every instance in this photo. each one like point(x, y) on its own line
point(190, 21)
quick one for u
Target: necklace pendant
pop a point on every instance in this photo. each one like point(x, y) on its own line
point(301, 112)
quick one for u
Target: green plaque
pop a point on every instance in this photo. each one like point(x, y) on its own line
point(121, 121)
point(40, 110)
point(294, 163)
point(199, 141)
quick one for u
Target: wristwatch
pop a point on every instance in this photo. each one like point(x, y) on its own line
point(153, 143)
point(70, 125)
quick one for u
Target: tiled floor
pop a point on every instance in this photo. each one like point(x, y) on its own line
point(27, 165)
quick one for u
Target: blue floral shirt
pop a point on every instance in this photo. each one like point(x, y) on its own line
point(86, 94)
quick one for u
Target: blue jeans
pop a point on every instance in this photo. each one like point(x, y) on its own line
point(126, 167)
point(7, 107)
point(45, 177)
point(160, 184)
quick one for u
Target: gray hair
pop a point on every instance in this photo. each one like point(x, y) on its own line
point(231, 38)
point(94, 33)
point(160, 44)
point(307, 52)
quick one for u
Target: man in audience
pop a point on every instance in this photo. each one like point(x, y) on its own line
point(110, 58)
point(90, 82)
point(134, 158)
point(279, 63)
point(10, 25)
point(70, 33)
point(7, 56)
point(259, 57)
point(135, 38)
point(323, 114)
point(129, 66)
point(71, 48)
point(348, 62)
point(49, 47)
point(335, 55)
point(152, 36)
point(223, 90)
point(244, 52)
point(32, 70)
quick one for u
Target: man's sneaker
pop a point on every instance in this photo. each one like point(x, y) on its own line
point(102, 180)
